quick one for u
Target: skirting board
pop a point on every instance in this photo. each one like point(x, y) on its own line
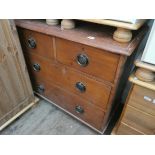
point(19, 113)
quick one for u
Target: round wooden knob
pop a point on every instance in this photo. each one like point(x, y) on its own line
point(52, 21)
point(67, 24)
point(122, 35)
point(145, 75)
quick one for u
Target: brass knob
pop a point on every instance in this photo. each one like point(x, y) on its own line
point(79, 109)
point(31, 43)
point(80, 86)
point(40, 89)
point(36, 67)
point(82, 60)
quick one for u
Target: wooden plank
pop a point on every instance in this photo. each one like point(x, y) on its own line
point(103, 37)
point(114, 131)
point(139, 120)
point(19, 114)
point(142, 99)
point(124, 129)
point(115, 23)
point(15, 87)
point(145, 65)
point(135, 80)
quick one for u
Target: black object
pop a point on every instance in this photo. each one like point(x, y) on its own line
point(40, 89)
point(36, 67)
point(31, 43)
point(82, 60)
point(80, 86)
point(79, 109)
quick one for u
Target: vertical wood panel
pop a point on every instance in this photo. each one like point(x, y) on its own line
point(15, 86)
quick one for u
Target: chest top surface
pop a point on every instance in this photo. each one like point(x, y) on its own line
point(94, 35)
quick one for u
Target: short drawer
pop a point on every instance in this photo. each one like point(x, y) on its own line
point(143, 99)
point(83, 86)
point(35, 42)
point(124, 129)
point(80, 108)
point(87, 59)
point(139, 120)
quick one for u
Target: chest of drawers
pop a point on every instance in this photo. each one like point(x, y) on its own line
point(77, 74)
point(138, 116)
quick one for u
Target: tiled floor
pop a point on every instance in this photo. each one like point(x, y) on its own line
point(46, 119)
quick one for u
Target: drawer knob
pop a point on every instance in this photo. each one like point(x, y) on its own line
point(82, 60)
point(36, 67)
point(31, 43)
point(79, 109)
point(81, 87)
point(40, 89)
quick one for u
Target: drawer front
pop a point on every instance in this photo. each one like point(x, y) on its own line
point(143, 99)
point(35, 42)
point(123, 129)
point(80, 108)
point(87, 88)
point(135, 118)
point(87, 59)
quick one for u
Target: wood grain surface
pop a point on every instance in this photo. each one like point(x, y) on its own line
point(117, 23)
point(101, 64)
point(68, 101)
point(15, 88)
point(139, 120)
point(44, 43)
point(96, 92)
point(103, 35)
point(135, 80)
point(125, 129)
point(104, 76)
point(142, 99)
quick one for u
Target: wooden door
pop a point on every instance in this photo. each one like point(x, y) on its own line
point(15, 87)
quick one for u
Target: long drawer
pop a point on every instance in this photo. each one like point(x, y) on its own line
point(139, 120)
point(80, 108)
point(143, 99)
point(35, 42)
point(93, 61)
point(83, 86)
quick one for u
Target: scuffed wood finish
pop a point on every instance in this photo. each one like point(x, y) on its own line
point(139, 111)
point(139, 100)
point(44, 46)
point(145, 65)
point(105, 75)
point(139, 120)
point(67, 53)
point(117, 89)
point(116, 23)
point(68, 101)
point(124, 129)
point(15, 87)
point(96, 92)
point(135, 80)
point(103, 35)
point(19, 113)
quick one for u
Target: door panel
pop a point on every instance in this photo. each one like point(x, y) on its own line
point(15, 86)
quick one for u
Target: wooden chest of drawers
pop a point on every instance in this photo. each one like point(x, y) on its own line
point(138, 117)
point(77, 74)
